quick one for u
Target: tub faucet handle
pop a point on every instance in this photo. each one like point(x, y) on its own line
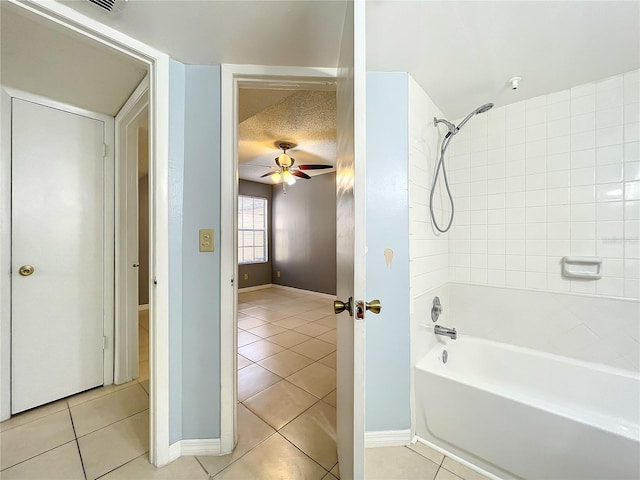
point(436, 309)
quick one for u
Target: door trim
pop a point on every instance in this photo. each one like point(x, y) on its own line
point(233, 76)
point(158, 64)
point(108, 226)
point(126, 331)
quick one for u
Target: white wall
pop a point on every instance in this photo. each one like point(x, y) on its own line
point(552, 176)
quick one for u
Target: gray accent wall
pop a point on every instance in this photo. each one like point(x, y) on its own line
point(259, 273)
point(194, 277)
point(304, 234)
point(388, 361)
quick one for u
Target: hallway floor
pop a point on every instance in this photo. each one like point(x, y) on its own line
point(286, 414)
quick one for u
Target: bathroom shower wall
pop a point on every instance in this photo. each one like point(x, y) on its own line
point(552, 176)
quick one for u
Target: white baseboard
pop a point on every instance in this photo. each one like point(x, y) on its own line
point(204, 446)
point(253, 289)
point(387, 438)
point(143, 307)
point(308, 292)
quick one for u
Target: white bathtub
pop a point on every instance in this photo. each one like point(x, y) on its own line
point(520, 413)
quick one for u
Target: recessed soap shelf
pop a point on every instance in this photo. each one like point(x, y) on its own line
point(582, 267)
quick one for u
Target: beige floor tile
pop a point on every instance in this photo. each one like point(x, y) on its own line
point(331, 398)
point(272, 315)
point(335, 471)
point(327, 321)
point(315, 349)
point(243, 362)
point(398, 463)
point(291, 322)
point(184, 468)
point(251, 432)
point(61, 463)
point(280, 403)
point(289, 338)
point(96, 414)
point(245, 338)
point(314, 432)
point(285, 363)
point(33, 414)
point(330, 360)
point(267, 330)
point(460, 470)
point(427, 452)
point(312, 329)
point(145, 384)
point(250, 322)
point(254, 379)
point(331, 336)
point(97, 393)
point(143, 370)
point(26, 441)
point(259, 350)
point(115, 445)
point(316, 379)
point(274, 459)
point(444, 474)
point(312, 315)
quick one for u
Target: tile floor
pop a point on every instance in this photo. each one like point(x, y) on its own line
point(286, 414)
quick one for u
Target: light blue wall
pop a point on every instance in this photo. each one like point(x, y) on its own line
point(201, 270)
point(194, 277)
point(388, 334)
point(176, 181)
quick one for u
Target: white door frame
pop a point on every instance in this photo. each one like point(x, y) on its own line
point(158, 64)
point(257, 76)
point(108, 227)
point(126, 328)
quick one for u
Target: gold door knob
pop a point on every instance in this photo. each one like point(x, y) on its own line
point(374, 306)
point(26, 270)
point(339, 307)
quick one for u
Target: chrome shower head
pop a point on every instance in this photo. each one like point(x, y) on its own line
point(484, 108)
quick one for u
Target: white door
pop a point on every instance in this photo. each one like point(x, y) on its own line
point(57, 229)
point(351, 245)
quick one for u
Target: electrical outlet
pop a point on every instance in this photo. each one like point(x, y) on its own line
point(278, 274)
point(246, 276)
point(206, 240)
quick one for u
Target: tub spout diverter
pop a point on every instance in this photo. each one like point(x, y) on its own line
point(447, 332)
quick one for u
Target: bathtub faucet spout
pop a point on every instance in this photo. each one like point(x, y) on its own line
point(447, 332)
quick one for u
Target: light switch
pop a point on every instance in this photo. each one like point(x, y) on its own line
point(206, 240)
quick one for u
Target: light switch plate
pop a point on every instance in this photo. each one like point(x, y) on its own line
point(206, 240)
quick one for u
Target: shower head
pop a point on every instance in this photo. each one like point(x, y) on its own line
point(482, 109)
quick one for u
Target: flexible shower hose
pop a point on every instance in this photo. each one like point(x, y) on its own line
point(443, 148)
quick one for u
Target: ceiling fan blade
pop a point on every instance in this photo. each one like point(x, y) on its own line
point(300, 174)
point(314, 167)
point(266, 174)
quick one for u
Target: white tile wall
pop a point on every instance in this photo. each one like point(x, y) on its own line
point(428, 249)
point(534, 181)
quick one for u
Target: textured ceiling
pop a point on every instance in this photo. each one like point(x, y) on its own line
point(51, 61)
point(305, 118)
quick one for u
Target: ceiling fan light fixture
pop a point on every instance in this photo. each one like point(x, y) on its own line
point(276, 177)
point(284, 160)
point(287, 177)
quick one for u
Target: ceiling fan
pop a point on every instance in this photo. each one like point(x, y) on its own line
point(285, 171)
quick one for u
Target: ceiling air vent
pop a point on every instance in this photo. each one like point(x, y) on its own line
point(106, 4)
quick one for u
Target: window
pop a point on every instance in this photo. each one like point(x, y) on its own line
point(252, 230)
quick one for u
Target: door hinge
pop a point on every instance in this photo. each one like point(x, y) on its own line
point(104, 149)
point(105, 342)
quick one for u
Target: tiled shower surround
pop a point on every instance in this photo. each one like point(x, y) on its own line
point(533, 181)
point(553, 176)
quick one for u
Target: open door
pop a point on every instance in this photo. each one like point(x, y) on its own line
point(350, 240)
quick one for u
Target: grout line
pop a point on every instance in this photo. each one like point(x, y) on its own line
point(117, 421)
point(35, 456)
point(305, 454)
point(122, 465)
point(75, 435)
